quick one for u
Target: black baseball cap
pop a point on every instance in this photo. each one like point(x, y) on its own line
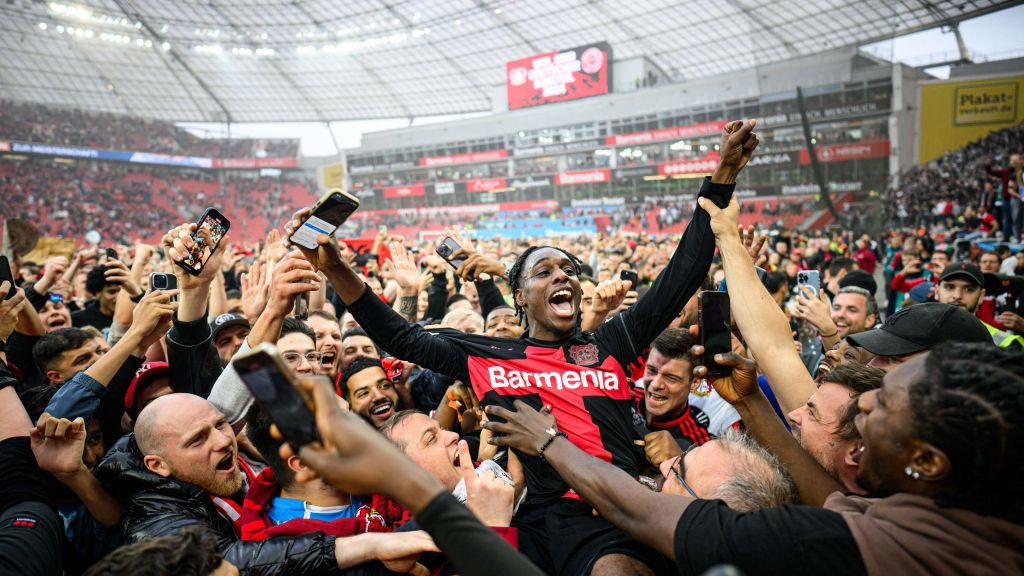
point(226, 321)
point(965, 270)
point(860, 279)
point(921, 327)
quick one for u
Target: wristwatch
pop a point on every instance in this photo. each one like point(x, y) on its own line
point(137, 299)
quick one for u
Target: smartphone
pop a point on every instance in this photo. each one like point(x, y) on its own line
point(810, 278)
point(300, 306)
point(5, 274)
point(162, 281)
point(715, 330)
point(210, 229)
point(963, 250)
point(446, 248)
point(274, 387)
point(111, 254)
point(631, 276)
point(329, 212)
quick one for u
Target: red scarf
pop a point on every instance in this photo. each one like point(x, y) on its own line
point(255, 525)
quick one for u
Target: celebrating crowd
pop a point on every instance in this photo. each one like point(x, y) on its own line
point(519, 407)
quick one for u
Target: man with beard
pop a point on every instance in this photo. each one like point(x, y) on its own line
point(368, 390)
point(962, 284)
point(824, 425)
point(854, 310)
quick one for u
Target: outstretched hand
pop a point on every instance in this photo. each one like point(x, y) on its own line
point(327, 256)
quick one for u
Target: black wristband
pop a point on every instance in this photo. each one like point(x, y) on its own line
point(548, 442)
point(137, 299)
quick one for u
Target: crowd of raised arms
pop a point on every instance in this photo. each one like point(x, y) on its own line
point(541, 407)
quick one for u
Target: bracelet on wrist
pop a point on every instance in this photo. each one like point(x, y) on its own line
point(547, 443)
point(836, 333)
point(137, 299)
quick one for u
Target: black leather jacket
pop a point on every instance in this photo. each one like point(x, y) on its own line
point(157, 506)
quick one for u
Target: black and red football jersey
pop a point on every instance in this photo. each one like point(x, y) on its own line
point(582, 377)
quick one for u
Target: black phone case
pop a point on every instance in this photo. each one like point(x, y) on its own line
point(227, 227)
point(713, 368)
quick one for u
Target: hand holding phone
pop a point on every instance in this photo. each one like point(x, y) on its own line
point(277, 391)
point(811, 278)
point(715, 330)
point(210, 229)
point(6, 275)
point(446, 248)
point(630, 276)
point(329, 212)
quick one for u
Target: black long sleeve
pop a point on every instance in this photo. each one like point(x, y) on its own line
point(489, 295)
point(437, 298)
point(195, 364)
point(473, 548)
point(434, 350)
point(629, 333)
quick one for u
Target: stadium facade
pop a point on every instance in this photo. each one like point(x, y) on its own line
point(650, 142)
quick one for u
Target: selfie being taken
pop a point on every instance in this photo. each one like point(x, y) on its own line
point(511, 288)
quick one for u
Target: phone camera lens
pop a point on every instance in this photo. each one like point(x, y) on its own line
point(444, 250)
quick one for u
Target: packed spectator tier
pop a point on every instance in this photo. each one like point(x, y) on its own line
point(29, 122)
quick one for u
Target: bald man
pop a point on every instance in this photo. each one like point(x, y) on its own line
point(181, 468)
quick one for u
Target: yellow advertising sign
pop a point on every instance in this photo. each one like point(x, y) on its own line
point(332, 175)
point(958, 112)
point(985, 104)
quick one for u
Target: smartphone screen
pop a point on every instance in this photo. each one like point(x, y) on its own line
point(211, 228)
point(276, 395)
point(5, 274)
point(715, 332)
point(331, 212)
point(446, 248)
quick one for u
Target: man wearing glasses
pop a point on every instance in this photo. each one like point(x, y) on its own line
point(732, 468)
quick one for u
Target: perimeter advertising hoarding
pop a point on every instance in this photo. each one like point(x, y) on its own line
point(662, 134)
point(558, 76)
point(151, 157)
point(845, 152)
point(467, 158)
point(405, 191)
point(574, 177)
point(956, 113)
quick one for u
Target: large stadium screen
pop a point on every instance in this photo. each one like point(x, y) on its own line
point(559, 76)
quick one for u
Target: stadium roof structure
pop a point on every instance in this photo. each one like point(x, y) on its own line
point(325, 60)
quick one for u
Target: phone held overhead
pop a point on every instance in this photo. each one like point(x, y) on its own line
point(210, 229)
point(329, 212)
